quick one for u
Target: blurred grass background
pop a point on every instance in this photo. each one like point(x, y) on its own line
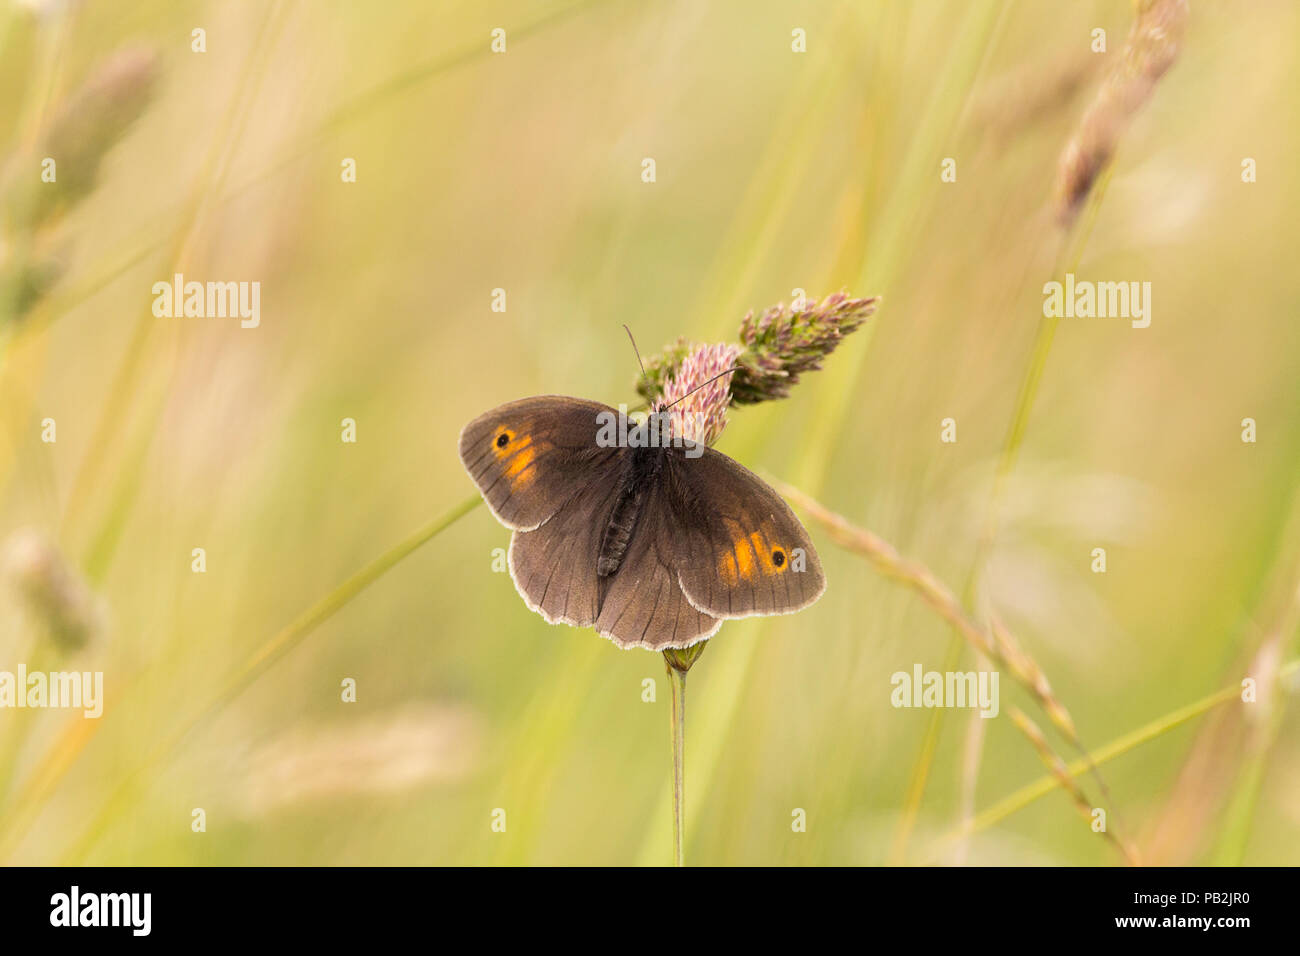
point(775, 171)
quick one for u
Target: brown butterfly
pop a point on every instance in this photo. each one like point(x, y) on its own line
point(652, 546)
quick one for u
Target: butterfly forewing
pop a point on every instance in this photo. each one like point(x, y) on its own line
point(530, 457)
point(741, 550)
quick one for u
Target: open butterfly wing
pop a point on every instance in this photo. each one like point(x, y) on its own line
point(739, 549)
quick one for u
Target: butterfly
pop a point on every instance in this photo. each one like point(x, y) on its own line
point(653, 546)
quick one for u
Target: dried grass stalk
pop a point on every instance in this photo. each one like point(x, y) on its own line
point(1152, 47)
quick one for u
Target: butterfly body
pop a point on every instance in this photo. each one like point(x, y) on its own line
point(641, 470)
point(653, 546)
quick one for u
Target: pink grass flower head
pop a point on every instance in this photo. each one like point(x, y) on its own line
point(776, 348)
point(700, 410)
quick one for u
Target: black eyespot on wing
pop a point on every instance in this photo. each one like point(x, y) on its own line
point(778, 557)
point(502, 440)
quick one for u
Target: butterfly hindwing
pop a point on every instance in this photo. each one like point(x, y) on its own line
point(554, 565)
point(643, 604)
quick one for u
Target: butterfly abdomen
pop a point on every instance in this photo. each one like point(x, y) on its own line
point(634, 483)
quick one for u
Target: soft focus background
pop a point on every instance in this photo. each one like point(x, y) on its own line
point(521, 170)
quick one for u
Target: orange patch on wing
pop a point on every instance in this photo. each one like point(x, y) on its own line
point(727, 569)
point(524, 455)
point(744, 558)
point(750, 555)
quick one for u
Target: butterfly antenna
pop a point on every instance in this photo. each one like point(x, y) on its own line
point(644, 377)
point(734, 368)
